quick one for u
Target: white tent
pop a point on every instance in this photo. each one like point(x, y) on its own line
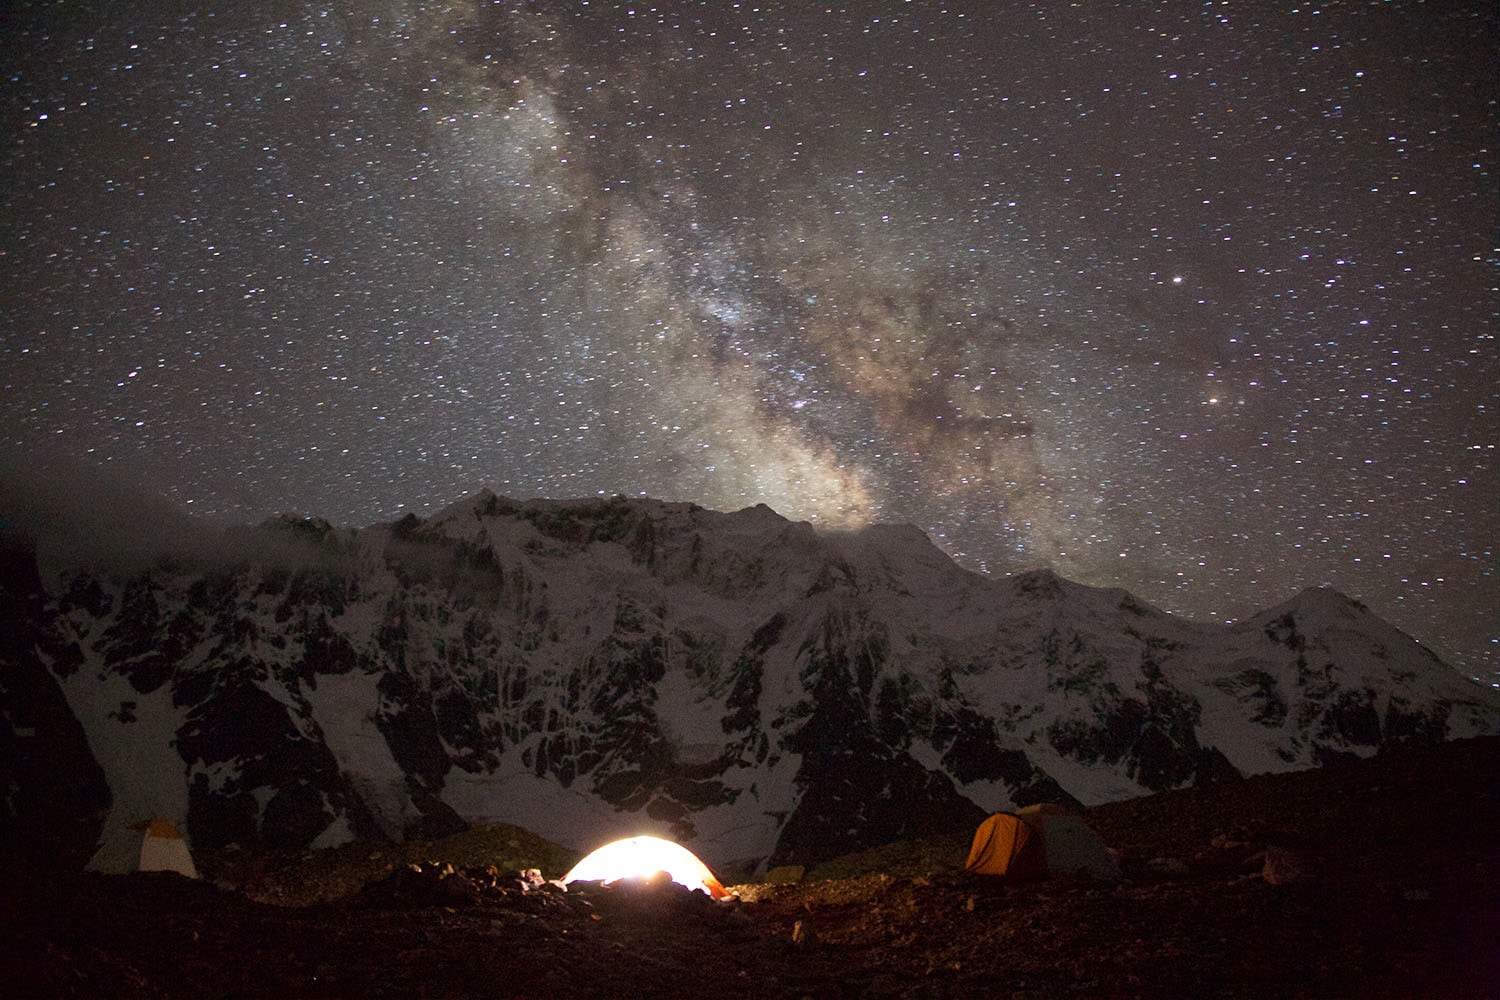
point(149, 846)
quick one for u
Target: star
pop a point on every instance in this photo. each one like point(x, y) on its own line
point(887, 265)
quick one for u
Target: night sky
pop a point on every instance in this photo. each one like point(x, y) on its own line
point(1195, 299)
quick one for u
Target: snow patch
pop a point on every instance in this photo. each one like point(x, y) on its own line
point(344, 708)
point(147, 777)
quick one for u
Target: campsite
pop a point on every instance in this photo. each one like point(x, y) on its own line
point(1366, 878)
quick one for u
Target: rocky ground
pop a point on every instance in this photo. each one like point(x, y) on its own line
point(1377, 878)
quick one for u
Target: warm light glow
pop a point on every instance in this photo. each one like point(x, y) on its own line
point(642, 857)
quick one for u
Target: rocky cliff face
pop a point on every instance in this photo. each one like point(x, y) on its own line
point(739, 682)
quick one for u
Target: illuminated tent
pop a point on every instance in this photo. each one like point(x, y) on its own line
point(643, 857)
point(1038, 841)
point(149, 846)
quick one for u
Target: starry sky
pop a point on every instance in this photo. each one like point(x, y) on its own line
point(1195, 299)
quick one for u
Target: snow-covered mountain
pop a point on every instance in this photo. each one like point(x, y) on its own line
point(742, 683)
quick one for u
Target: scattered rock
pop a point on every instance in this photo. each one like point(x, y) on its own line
point(785, 875)
point(802, 935)
point(1168, 867)
point(1286, 866)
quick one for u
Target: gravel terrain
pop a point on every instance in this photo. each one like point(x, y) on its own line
point(1377, 878)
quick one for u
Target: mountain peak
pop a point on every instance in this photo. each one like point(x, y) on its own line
point(1320, 601)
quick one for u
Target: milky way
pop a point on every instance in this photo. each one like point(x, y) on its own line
point(1194, 299)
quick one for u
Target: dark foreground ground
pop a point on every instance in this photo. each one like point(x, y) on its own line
point(1372, 879)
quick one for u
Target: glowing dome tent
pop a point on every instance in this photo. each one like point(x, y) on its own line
point(643, 857)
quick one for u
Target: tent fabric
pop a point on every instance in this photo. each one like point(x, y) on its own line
point(1071, 846)
point(643, 857)
point(1036, 841)
point(1006, 845)
point(149, 846)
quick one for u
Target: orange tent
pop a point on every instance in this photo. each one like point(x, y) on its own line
point(1007, 845)
point(1037, 841)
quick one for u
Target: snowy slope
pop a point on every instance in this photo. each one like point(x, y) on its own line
point(739, 682)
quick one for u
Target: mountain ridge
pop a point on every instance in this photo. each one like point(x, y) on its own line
point(751, 686)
